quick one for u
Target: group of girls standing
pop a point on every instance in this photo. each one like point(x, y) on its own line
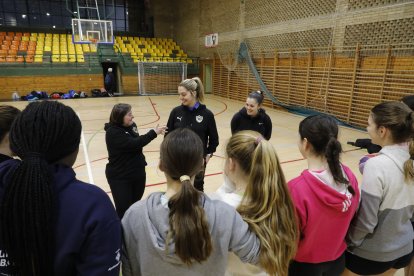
point(324, 198)
point(316, 224)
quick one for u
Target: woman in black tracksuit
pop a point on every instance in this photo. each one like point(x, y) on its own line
point(125, 170)
point(194, 115)
point(253, 116)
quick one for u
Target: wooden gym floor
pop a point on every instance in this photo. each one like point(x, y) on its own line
point(152, 110)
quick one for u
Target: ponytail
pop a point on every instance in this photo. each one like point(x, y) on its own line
point(188, 225)
point(408, 165)
point(195, 85)
point(266, 205)
point(332, 155)
point(399, 119)
point(199, 89)
point(321, 131)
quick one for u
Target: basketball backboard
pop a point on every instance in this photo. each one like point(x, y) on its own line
point(87, 31)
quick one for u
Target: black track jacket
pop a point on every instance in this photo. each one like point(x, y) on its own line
point(200, 120)
point(124, 146)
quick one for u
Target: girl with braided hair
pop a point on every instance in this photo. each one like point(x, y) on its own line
point(50, 222)
point(325, 196)
point(261, 196)
point(194, 115)
point(7, 115)
point(380, 239)
point(182, 231)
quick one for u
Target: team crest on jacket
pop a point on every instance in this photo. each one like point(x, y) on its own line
point(199, 118)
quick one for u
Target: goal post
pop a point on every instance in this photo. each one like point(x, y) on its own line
point(160, 78)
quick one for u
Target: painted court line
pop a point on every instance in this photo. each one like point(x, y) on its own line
point(85, 153)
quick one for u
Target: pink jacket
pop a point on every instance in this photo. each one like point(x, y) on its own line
point(324, 215)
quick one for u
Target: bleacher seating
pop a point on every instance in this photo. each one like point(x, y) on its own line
point(58, 48)
point(31, 47)
point(150, 49)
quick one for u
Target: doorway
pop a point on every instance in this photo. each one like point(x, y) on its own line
point(208, 80)
point(115, 71)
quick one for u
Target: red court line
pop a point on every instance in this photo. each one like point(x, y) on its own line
point(164, 182)
point(211, 174)
point(138, 116)
point(283, 162)
point(225, 107)
point(156, 113)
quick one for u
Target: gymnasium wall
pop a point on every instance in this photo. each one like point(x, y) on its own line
point(50, 83)
point(344, 83)
point(269, 24)
point(335, 56)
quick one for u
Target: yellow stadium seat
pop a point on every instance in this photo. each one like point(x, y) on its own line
point(85, 47)
point(55, 58)
point(72, 58)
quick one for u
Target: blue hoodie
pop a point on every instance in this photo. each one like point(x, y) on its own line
point(88, 231)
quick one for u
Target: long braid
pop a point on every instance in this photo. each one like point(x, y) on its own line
point(44, 133)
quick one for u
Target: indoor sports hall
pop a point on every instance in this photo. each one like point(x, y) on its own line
point(334, 57)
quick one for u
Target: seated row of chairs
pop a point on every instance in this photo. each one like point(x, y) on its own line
point(151, 49)
point(39, 58)
point(31, 47)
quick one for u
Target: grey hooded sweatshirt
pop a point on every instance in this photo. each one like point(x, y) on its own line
point(382, 230)
point(146, 225)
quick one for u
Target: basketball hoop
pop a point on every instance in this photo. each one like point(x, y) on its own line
point(92, 31)
point(211, 40)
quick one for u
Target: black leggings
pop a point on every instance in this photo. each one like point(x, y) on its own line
point(126, 192)
point(332, 268)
